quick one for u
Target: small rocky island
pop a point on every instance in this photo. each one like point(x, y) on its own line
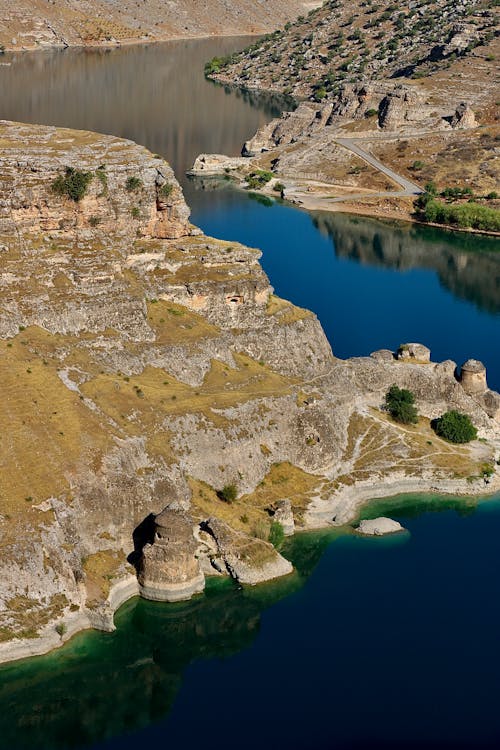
point(163, 410)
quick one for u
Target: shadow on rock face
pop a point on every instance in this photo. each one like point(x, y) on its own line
point(143, 534)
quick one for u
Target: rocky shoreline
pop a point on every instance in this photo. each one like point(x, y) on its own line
point(177, 411)
point(128, 588)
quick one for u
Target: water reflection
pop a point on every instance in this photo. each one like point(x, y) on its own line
point(154, 94)
point(467, 266)
point(101, 686)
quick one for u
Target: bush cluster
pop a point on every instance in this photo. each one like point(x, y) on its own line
point(228, 493)
point(276, 534)
point(455, 427)
point(73, 183)
point(258, 178)
point(400, 403)
point(133, 183)
point(468, 215)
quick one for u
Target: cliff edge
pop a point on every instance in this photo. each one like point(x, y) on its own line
point(161, 404)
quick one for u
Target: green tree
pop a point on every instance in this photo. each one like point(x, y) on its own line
point(400, 403)
point(228, 493)
point(455, 427)
point(73, 183)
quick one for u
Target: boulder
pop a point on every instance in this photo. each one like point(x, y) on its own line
point(418, 352)
point(463, 118)
point(379, 527)
point(383, 355)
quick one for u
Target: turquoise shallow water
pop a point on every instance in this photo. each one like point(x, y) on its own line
point(370, 643)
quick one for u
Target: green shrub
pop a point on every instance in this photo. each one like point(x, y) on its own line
point(73, 183)
point(469, 215)
point(278, 187)
point(455, 427)
point(258, 178)
point(400, 403)
point(371, 112)
point(61, 628)
point(94, 221)
point(133, 183)
point(228, 493)
point(136, 212)
point(276, 534)
point(165, 191)
point(103, 179)
point(417, 166)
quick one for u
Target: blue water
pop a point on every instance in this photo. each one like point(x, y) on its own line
point(371, 302)
point(371, 643)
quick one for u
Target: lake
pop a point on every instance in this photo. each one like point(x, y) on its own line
point(371, 643)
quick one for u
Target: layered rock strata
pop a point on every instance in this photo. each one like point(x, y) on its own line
point(150, 372)
point(168, 570)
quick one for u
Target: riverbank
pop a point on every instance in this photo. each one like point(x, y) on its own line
point(34, 24)
point(345, 508)
point(111, 44)
point(317, 195)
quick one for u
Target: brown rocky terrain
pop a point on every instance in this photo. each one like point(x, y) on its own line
point(31, 24)
point(414, 86)
point(160, 404)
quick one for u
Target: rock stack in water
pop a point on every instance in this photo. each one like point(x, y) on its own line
point(168, 569)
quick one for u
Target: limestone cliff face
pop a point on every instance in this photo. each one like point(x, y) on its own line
point(147, 367)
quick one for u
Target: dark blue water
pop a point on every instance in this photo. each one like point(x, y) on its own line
point(372, 643)
point(372, 284)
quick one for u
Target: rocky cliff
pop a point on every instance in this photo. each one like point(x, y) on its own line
point(413, 85)
point(160, 404)
point(31, 24)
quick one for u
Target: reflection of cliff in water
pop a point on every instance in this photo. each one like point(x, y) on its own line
point(467, 265)
point(101, 686)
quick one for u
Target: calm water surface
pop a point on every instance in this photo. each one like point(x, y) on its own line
point(370, 643)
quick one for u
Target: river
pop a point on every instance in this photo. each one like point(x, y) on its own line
point(371, 643)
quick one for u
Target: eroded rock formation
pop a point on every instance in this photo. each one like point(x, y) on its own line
point(149, 370)
point(168, 569)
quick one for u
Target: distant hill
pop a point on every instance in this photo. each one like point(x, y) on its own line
point(345, 42)
point(28, 24)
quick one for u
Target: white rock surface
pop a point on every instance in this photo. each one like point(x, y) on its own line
point(379, 527)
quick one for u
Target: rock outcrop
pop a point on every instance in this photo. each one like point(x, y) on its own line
point(416, 352)
point(464, 117)
point(283, 515)
point(145, 365)
point(249, 561)
point(379, 527)
point(168, 570)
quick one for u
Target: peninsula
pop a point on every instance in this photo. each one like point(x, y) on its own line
point(165, 415)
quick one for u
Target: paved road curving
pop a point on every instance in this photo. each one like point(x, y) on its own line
point(409, 188)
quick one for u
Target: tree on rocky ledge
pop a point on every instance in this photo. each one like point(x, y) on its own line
point(400, 403)
point(455, 427)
